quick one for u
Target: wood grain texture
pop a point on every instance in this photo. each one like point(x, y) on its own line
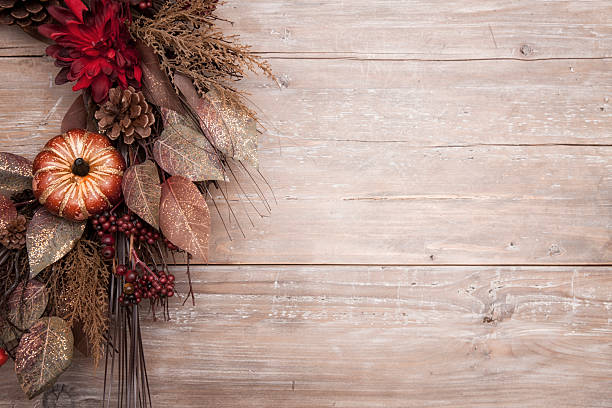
point(427, 29)
point(422, 104)
point(426, 133)
point(391, 204)
point(469, 167)
point(378, 337)
point(415, 29)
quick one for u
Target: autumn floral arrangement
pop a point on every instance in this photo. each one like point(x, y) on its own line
point(89, 229)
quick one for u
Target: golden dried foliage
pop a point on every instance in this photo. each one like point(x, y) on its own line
point(79, 284)
point(184, 35)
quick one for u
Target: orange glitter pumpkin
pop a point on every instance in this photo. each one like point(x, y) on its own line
point(78, 174)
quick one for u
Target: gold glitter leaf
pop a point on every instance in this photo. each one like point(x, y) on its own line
point(142, 191)
point(232, 129)
point(181, 150)
point(184, 217)
point(44, 353)
point(27, 305)
point(15, 173)
point(49, 238)
point(8, 212)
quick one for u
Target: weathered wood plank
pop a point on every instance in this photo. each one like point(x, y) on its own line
point(418, 103)
point(444, 103)
point(389, 204)
point(417, 29)
point(397, 173)
point(14, 42)
point(377, 337)
point(426, 29)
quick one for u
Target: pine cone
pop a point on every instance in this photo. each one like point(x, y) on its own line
point(125, 113)
point(25, 13)
point(13, 236)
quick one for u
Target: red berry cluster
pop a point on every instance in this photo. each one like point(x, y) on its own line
point(108, 223)
point(105, 225)
point(154, 287)
point(134, 226)
point(143, 5)
point(147, 286)
point(170, 245)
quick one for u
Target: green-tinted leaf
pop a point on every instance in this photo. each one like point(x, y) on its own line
point(44, 353)
point(49, 238)
point(15, 173)
point(182, 150)
point(232, 130)
point(27, 305)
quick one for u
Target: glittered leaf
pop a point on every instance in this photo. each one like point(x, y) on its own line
point(49, 238)
point(155, 84)
point(8, 212)
point(76, 116)
point(142, 191)
point(27, 305)
point(44, 353)
point(184, 217)
point(8, 334)
point(183, 150)
point(231, 129)
point(172, 118)
point(15, 173)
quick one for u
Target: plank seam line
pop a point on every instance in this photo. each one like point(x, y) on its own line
point(348, 58)
point(459, 146)
point(448, 265)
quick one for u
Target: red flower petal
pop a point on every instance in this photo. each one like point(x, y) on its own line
point(77, 7)
point(83, 82)
point(53, 50)
point(49, 30)
point(61, 77)
point(137, 74)
point(61, 14)
point(93, 48)
point(99, 88)
point(76, 70)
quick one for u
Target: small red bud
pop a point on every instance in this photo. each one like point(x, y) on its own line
point(121, 269)
point(108, 252)
point(3, 357)
point(108, 240)
point(131, 276)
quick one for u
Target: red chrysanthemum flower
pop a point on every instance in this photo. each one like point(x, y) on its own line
point(93, 47)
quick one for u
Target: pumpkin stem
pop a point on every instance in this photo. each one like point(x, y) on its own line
point(80, 167)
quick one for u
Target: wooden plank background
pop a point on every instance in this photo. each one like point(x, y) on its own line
point(442, 232)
